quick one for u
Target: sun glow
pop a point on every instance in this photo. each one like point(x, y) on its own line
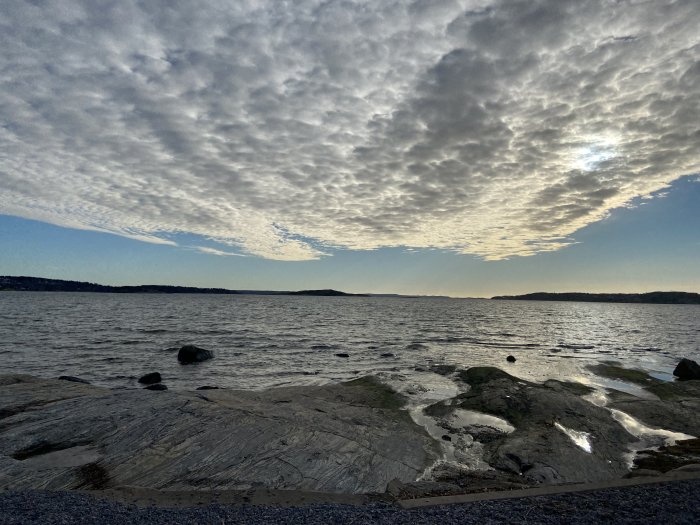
point(594, 152)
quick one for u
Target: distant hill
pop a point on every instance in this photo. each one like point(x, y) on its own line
point(327, 293)
point(651, 297)
point(39, 284)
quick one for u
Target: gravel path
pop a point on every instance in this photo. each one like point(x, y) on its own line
point(672, 502)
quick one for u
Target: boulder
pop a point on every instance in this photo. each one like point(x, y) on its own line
point(207, 387)
point(510, 359)
point(74, 379)
point(687, 369)
point(150, 379)
point(192, 354)
point(387, 354)
point(342, 354)
point(158, 386)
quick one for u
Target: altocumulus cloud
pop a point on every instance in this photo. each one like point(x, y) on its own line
point(284, 130)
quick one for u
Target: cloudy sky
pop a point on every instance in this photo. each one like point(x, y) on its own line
point(262, 137)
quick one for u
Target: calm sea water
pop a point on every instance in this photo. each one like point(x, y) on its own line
point(265, 341)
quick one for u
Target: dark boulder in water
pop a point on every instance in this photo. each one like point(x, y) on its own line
point(193, 354)
point(510, 359)
point(74, 379)
point(387, 354)
point(207, 387)
point(342, 354)
point(687, 369)
point(150, 379)
point(158, 386)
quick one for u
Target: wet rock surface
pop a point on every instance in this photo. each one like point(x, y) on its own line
point(350, 437)
point(548, 418)
point(677, 407)
point(681, 456)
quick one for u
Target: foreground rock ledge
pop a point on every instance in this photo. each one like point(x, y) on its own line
point(350, 437)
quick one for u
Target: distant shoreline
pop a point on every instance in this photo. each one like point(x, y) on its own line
point(633, 298)
point(39, 284)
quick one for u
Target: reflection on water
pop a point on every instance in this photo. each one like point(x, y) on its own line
point(464, 418)
point(581, 439)
point(640, 430)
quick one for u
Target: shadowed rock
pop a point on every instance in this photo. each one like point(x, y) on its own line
point(685, 453)
point(189, 354)
point(547, 417)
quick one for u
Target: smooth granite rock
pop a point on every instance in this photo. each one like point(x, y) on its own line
point(350, 437)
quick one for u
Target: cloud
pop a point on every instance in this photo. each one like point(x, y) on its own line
point(214, 251)
point(495, 128)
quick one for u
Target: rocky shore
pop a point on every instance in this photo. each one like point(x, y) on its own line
point(500, 433)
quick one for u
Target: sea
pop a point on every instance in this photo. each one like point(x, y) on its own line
point(271, 341)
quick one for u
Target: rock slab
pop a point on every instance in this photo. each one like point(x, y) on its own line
point(347, 438)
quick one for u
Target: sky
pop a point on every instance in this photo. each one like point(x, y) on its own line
point(465, 148)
